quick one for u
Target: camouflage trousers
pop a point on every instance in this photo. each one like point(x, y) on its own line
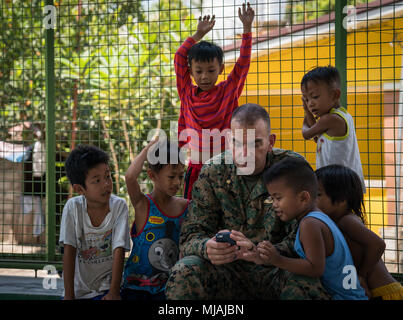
point(194, 278)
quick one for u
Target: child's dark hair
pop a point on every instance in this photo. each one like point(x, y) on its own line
point(342, 183)
point(204, 51)
point(298, 175)
point(165, 153)
point(330, 75)
point(81, 160)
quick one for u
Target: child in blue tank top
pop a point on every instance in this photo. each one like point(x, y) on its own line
point(156, 227)
point(321, 246)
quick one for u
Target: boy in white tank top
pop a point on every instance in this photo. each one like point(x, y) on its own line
point(328, 123)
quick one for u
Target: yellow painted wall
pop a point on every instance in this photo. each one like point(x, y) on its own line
point(376, 207)
point(287, 114)
point(373, 59)
point(274, 81)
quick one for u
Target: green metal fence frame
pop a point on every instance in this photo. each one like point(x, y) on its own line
point(50, 168)
point(51, 258)
point(341, 49)
point(50, 141)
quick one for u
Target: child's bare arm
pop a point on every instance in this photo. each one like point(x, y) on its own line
point(246, 248)
point(117, 269)
point(373, 245)
point(137, 198)
point(323, 124)
point(309, 119)
point(238, 75)
point(69, 263)
point(314, 263)
point(132, 174)
point(246, 15)
point(204, 26)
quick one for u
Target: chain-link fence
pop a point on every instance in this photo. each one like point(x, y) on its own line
point(102, 73)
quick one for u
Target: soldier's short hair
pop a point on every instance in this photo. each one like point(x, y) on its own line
point(298, 175)
point(248, 114)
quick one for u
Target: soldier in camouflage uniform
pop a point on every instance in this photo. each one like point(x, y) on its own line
point(225, 200)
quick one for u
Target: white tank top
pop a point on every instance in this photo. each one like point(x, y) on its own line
point(340, 150)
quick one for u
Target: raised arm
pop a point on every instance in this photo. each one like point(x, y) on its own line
point(137, 198)
point(181, 66)
point(237, 77)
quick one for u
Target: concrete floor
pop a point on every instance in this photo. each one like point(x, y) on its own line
point(22, 283)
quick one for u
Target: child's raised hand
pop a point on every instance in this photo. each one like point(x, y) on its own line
point(204, 26)
point(267, 252)
point(147, 148)
point(153, 141)
point(246, 15)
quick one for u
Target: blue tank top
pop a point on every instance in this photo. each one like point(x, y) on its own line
point(340, 277)
point(155, 250)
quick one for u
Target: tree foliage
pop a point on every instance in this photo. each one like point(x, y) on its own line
point(113, 68)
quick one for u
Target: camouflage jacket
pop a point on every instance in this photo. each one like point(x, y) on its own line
point(222, 200)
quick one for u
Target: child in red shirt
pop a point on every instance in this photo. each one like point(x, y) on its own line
point(207, 105)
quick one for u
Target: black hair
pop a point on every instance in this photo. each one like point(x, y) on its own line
point(298, 175)
point(81, 160)
point(168, 152)
point(329, 75)
point(248, 114)
point(204, 51)
point(341, 183)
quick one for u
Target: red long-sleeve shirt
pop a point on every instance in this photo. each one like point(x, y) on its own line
point(210, 109)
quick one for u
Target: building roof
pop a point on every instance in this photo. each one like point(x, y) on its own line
point(366, 13)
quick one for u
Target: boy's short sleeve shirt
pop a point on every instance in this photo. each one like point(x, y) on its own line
point(95, 245)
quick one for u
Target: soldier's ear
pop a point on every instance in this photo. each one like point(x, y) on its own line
point(272, 139)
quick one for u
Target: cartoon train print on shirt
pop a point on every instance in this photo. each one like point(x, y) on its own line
point(162, 255)
point(164, 252)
